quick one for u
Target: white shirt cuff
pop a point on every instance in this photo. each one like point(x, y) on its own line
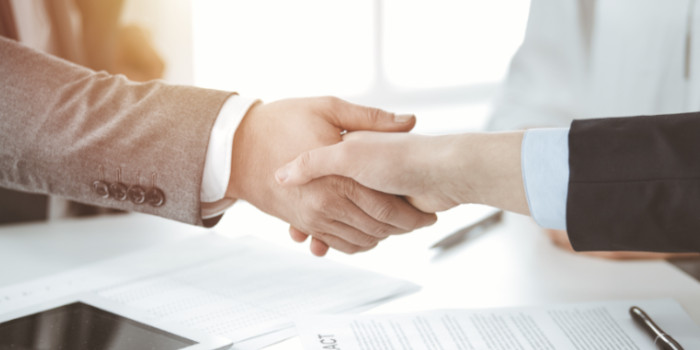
point(217, 165)
point(545, 167)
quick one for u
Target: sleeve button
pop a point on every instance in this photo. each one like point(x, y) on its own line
point(155, 197)
point(136, 194)
point(101, 188)
point(117, 191)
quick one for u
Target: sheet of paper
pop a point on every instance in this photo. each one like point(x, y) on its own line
point(582, 326)
point(237, 288)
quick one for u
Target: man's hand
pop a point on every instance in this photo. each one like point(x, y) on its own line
point(336, 211)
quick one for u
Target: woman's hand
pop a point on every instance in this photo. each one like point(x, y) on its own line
point(434, 173)
point(398, 163)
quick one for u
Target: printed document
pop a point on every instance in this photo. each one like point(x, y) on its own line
point(243, 289)
point(581, 326)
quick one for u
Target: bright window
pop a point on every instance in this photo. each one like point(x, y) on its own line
point(440, 59)
point(441, 43)
point(275, 48)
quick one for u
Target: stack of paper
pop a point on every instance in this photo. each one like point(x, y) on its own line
point(242, 289)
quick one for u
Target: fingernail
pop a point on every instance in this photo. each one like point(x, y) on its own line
point(403, 118)
point(281, 175)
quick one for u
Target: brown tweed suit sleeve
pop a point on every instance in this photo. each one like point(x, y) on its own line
point(635, 183)
point(64, 127)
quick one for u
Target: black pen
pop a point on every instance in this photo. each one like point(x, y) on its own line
point(661, 339)
point(460, 235)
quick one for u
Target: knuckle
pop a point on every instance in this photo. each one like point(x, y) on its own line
point(331, 102)
point(369, 241)
point(370, 247)
point(381, 231)
point(348, 187)
point(361, 240)
point(337, 210)
point(304, 161)
point(365, 248)
point(321, 236)
point(373, 115)
point(385, 211)
point(330, 201)
point(353, 249)
point(312, 217)
point(305, 223)
point(319, 203)
point(414, 222)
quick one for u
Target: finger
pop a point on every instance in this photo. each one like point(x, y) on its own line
point(364, 227)
point(297, 235)
point(338, 243)
point(317, 247)
point(313, 164)
point(389, 209)
point(349, 116)
point(353, 235)
point(560, 239)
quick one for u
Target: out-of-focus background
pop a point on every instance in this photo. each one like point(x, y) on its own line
point(440, 59)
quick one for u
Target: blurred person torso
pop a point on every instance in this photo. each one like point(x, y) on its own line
point(40, 23)
point(602, 58)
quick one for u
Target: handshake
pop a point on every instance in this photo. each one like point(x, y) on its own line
point(350, 176)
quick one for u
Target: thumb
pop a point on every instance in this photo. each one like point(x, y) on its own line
point(311, 165)
point(352, 117)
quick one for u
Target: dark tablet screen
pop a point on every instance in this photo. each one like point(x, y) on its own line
point(83, 327)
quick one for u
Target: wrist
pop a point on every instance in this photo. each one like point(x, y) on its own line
point(241, 154)
point(453, 166)
point(490, 171)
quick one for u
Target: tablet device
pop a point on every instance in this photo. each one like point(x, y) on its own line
point(88, 322)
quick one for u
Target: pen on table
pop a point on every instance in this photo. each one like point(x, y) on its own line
point(661, 339)
point(460, 235)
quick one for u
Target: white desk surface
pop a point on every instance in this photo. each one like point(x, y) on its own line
point(511, 265)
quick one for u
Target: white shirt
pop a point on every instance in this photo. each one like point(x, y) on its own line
point(217, 165)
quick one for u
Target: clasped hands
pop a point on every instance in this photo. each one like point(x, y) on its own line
point(292, 159)
point(337, 211)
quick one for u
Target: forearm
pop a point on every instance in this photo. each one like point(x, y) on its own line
point(434, 173)
point(65, 127)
